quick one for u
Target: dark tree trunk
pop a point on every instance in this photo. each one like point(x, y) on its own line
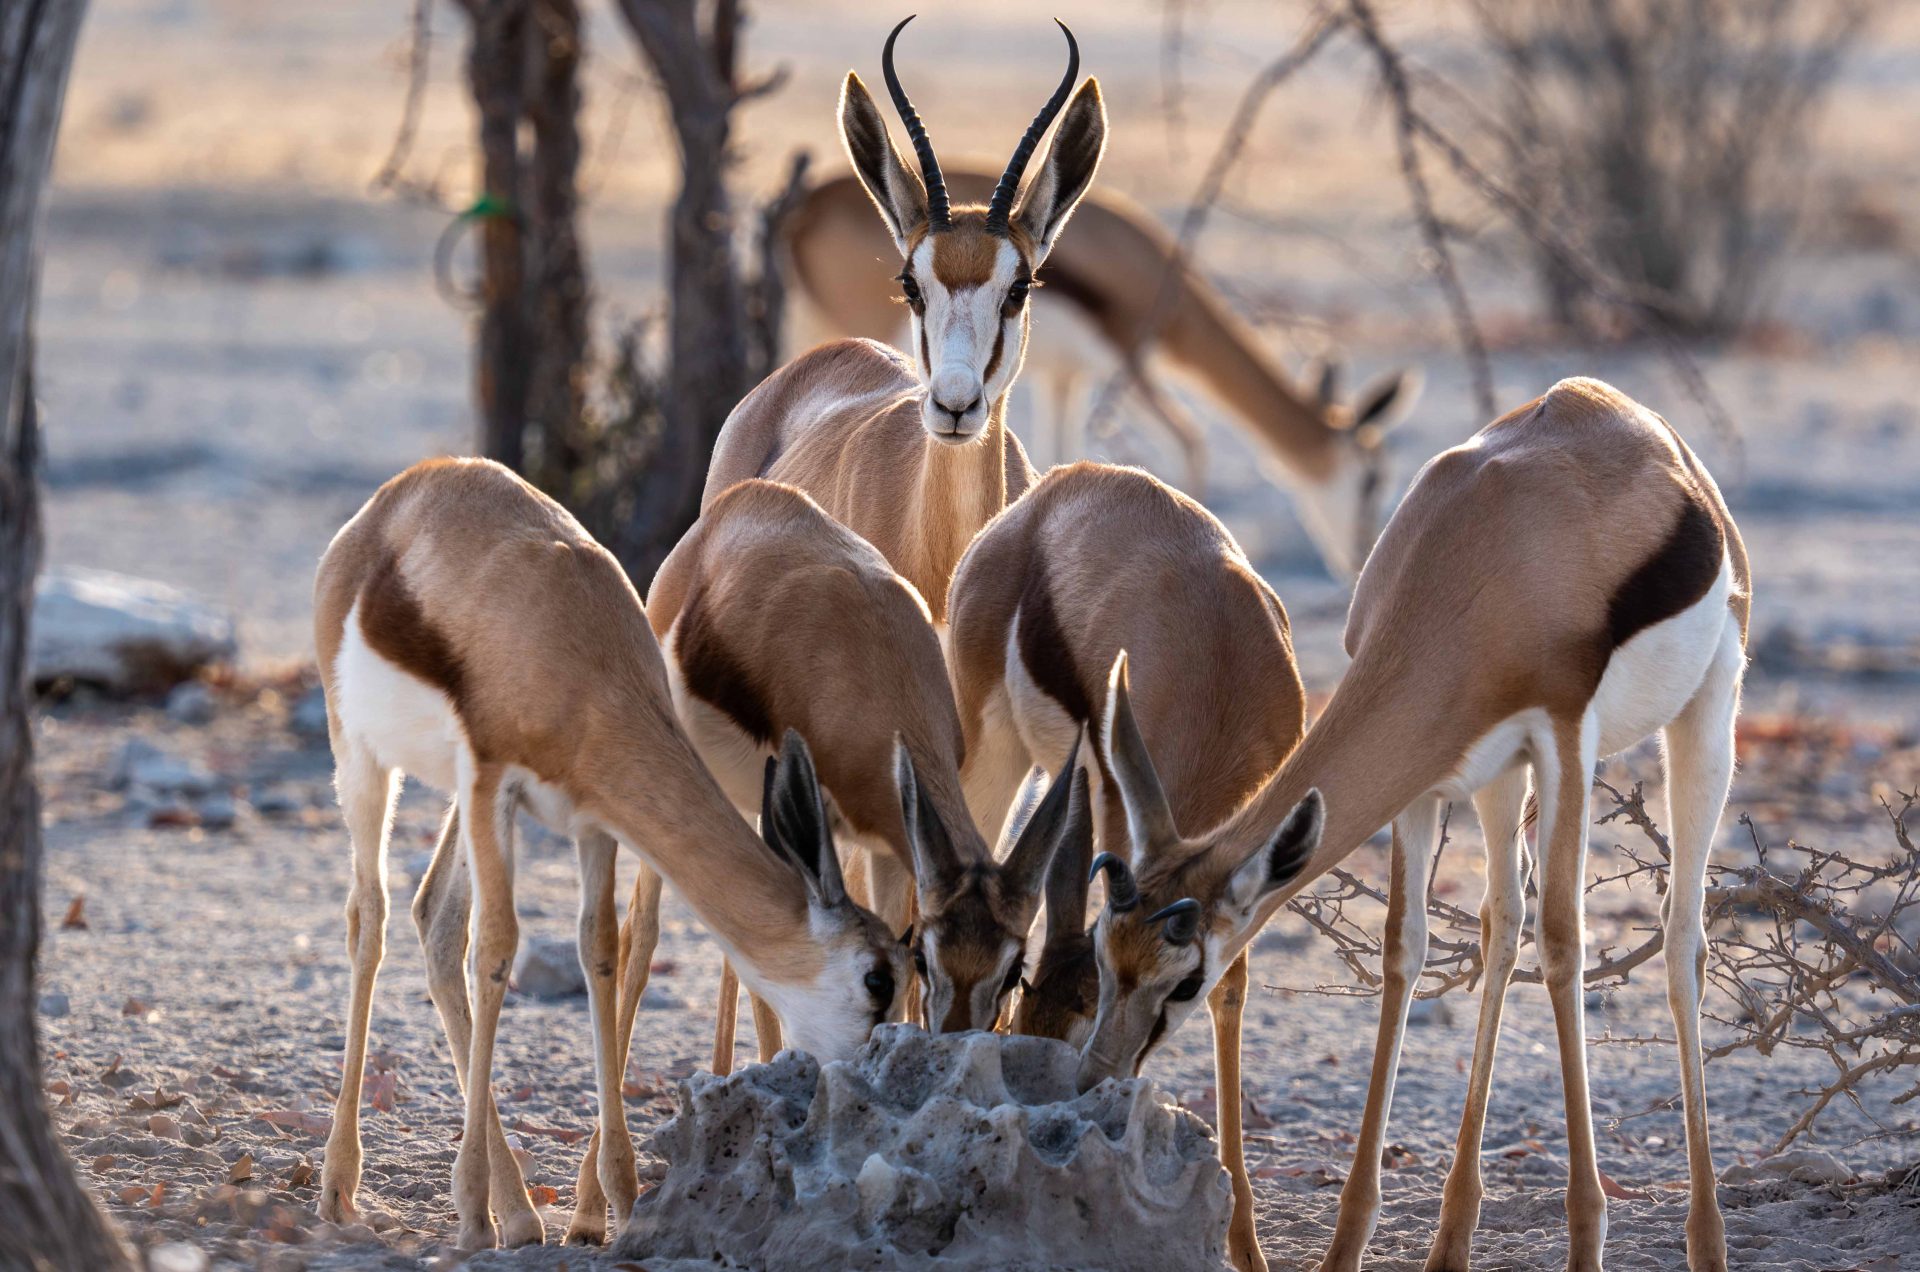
point(47, 1220)
point(523, 66)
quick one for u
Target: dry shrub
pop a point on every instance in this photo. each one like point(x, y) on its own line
point(1667, 137)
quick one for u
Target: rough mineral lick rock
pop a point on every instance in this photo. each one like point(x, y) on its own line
point(957, 1151)
point(126, 635)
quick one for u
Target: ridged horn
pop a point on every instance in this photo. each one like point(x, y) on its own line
point(1183, 920)
point(1001, 208)
point(1122, 893)
point(937, 214)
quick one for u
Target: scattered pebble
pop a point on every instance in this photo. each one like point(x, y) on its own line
point(191, 703)
point(54, 1006)
point(142, 764)
point(548, 967)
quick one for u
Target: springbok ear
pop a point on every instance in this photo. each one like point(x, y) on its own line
point(1323, 373)
point(1067, 170)
point(1284, 856)
point(1041, 839)
point(1387, 400)
point(935, 862)
point(793, 821)
point(1149, 816)
point(893, 187)
point(1067, 881)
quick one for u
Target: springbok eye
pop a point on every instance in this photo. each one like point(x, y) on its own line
point(920, 960)
point(1017, 295)
point(910, 288)
point(1186, 989)
point(1012, 977)
point(880, 985)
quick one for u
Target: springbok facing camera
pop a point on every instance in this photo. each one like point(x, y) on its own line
point(913, 452)
point(773, 616)
point(1099, 313)
point(1566, 583)
point(1091, 561)
point(471, 633)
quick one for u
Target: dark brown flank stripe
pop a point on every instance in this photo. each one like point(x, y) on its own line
point(716, 677)
point(398, 630)
point(1044, 649)
point(1675, 577)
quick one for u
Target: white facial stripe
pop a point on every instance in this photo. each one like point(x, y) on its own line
point(959, 332)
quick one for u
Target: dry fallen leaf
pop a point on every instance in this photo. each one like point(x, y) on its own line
point(130, 1194)
point(160, 1099)
point(380, 1089)
point(298, 1120)
point(76, 912)
point(300, 1176)
point(1614, 1189)
point(562, 1134)
point(163, 1126)
point(241, 1169)
point(543, 1195)
point(134, 1007)
point(103, 1162)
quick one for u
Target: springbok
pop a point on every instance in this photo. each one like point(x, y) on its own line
point(776, 617)
point(1561, 586)
point(472, 634)
point(912, 452)
point(1092, 561)
point(1096, 298)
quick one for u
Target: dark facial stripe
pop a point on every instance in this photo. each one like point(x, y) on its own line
point(993, 363)
point(1045, 652)
point(398, 630)
point(926, 361)
point(1675, 577)
point(716, 677)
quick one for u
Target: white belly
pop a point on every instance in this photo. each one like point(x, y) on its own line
point(1657, 672)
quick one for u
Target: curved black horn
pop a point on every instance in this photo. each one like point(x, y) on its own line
point(1122, 893)
point(937, 216)
point(1003, 194)
point(1183, 920)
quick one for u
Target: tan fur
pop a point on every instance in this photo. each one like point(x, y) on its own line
point(1107, 559)
point(817, 633)
point(842, 423)
point(1498, 588)
point(477, 585)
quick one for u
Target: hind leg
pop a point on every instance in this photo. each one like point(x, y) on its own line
point(1699, 746)
point(1227, 1003)
point(367, 793)
point(441, 910)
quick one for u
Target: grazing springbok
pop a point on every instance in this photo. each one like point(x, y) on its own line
point(1092, 561)
point(1556, 589)
point(912, 451)
point(1094, 297)
point(776, 617)
point(472, 634)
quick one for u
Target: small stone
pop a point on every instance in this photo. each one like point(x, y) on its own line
point(217, 812)
point(177, 1256)
point(274, 801)
point(660, 998)
point(309, 715)
point(548, 967)
point(142, 764)
point(1807, 1166)
point(191, 703)
point(54, 1006)
point(124, 634)
point(1430, 1011)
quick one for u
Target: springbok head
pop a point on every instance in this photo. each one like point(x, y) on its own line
point(1177, 913)
point(969, 269)
point(970, 936)
point(1344, 508)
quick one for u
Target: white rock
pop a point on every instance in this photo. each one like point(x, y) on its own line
point(1805, 1165)
point(141, 764)
point(177, 1256)
point(548, 967)
point(122, 633)
point(958, 1151)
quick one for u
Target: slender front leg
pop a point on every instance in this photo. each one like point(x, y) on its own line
point(639, 937)
point(367, 794)
point(726, 1017)
point(1699, 770)
point(600, 960)
point(1565, 793)
point(766, 1027)
point(1501, 804)
point(442, 910)
point(1404, 954)
point(1227, 1003)
point(485, 824)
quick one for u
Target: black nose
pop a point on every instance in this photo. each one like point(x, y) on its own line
point(959, 412)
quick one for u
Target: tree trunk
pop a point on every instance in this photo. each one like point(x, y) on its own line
point(49, 1220)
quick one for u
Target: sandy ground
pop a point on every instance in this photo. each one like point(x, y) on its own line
point(238, 344)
